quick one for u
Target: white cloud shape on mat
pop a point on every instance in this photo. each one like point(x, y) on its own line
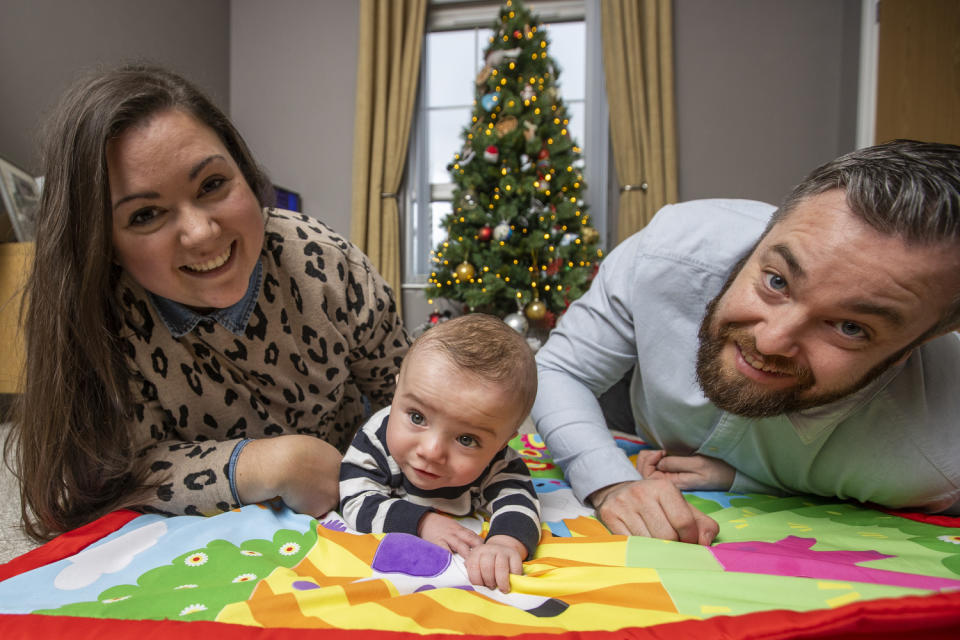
point(86, 567)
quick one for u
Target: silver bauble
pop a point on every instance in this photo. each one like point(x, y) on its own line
point(517, 322)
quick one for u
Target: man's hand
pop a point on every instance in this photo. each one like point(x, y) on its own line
point(448, 533)
point(653, 508)
point(687, 473)
point(491, 563)
point(303, 470)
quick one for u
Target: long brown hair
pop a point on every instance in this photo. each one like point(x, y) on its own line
point(74, 454)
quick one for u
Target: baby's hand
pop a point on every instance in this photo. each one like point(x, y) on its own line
point(448, 533)
point(491, 563)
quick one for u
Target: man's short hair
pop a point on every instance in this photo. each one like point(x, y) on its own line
point(484, 346)
point(902, 188)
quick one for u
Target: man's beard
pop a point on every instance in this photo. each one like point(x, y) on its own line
point(731, 391)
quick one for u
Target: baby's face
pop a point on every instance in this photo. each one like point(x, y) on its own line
point(445, 423)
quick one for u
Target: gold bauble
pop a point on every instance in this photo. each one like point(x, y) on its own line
point(589, 235)
point(465, 271)
point(536, 310)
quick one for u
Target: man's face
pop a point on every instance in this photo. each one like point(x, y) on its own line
point(822, 306)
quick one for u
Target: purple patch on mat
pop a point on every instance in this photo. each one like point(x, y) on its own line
point(404, 553)
point(334, 525)
point(303, 585)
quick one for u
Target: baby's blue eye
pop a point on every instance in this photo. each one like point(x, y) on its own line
point(467, 441)
point(417, 418)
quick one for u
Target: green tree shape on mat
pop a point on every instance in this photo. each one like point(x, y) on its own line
point(198, 584)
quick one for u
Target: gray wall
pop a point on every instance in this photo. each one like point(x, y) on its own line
point(766, 90)
point(292, 90)
point(45, 44)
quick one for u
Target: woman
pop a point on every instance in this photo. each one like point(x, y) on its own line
point(189, 349)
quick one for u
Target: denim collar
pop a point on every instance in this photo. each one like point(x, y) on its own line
point(181, 320)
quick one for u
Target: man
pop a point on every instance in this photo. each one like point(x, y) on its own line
point(810, 352)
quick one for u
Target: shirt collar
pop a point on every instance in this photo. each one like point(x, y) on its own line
point(181, 320)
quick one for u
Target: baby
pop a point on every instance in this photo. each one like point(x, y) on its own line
point(441, 447)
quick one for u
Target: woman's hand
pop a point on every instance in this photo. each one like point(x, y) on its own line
point(302, 470)
point(687, 473)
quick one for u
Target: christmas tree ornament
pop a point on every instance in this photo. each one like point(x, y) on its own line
point(495, 57)
point(468, 201)
point(465, 271)
point(485, 233)
point(568, 239)
point(529, 130)
point(467, 156)
point(502, 231)
point(517, 322)
point(527, 92)
point(589, 235)
point(505, 126)
point(437, 317)
point(525, 164)
point(536, 310)
point(543, 159)
point(489, 101)
point(491, 154)
point(483, 75)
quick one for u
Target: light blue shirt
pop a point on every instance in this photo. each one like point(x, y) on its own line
point(895, 442)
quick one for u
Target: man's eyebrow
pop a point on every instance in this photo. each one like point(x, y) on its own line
point(890, 314)
point(792, 264)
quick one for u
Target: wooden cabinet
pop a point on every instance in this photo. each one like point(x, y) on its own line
point(15, 261)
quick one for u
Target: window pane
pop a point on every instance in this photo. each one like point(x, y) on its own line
point(452, 65)
point(568, 49)
point(577, 116)
point(438, 210)
point(444, 127)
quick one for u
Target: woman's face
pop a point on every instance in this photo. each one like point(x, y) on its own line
point(186, 224)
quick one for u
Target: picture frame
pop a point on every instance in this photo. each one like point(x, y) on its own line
point(20, 195)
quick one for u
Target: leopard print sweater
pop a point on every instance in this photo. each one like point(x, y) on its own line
point(324, 333)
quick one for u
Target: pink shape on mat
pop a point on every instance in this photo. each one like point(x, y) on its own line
point(794, 557)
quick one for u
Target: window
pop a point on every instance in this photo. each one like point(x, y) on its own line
point(456, 38)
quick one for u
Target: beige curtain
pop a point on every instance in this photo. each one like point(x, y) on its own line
point(388, 63)
point(638, 63)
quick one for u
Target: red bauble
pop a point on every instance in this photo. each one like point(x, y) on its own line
point(485, 234)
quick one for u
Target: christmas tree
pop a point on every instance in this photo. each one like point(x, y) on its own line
point(519, 243)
